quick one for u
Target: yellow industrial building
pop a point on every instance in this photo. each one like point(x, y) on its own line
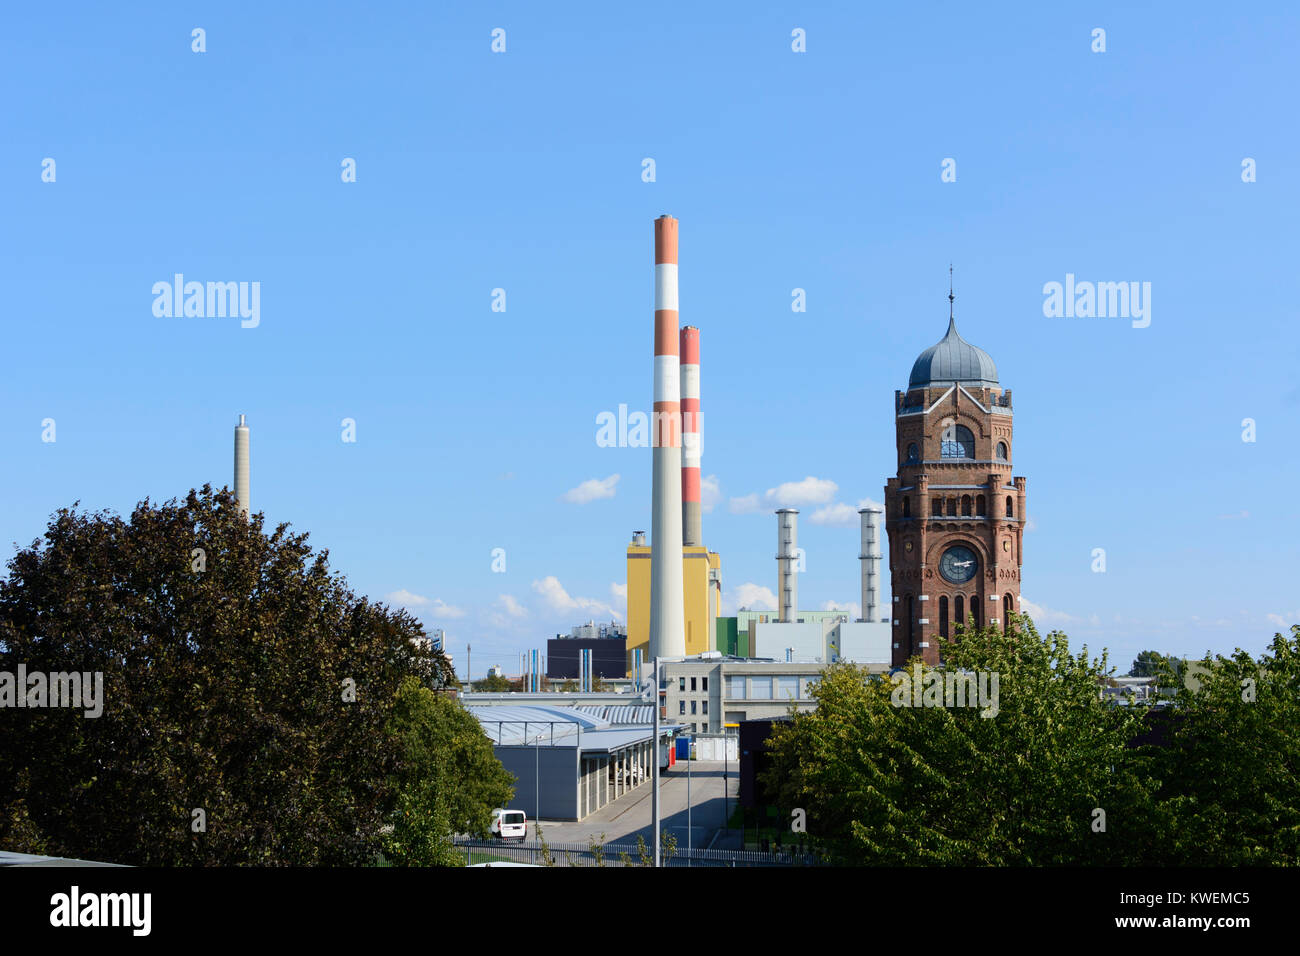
point(702, 591)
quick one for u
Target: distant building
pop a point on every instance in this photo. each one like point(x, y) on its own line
point(496, 671)
point(813, 636)
point(701, 595)
point(573, 761)
point(563, 656)
point(706, 692)
point(592, 631)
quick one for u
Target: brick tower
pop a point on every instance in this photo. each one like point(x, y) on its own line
point(954, 513)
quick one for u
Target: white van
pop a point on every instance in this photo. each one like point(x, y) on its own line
point(509, 824)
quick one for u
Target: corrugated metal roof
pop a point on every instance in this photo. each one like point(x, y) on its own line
point(559, 726)
point(621, 714)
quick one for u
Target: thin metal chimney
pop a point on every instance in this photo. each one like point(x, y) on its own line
point(787, 540)
point(870, 558)
point(241, 466)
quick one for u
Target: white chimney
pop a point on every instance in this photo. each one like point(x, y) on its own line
point(787, 540)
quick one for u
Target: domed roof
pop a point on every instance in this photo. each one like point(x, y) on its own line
point(953, 360)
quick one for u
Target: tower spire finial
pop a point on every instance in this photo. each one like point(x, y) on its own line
point(950, 295)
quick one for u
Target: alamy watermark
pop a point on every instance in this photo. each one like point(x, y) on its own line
point(660, 429)
point(77, 689)
point(935, 688)
point(1102, 300)
point(213, 300)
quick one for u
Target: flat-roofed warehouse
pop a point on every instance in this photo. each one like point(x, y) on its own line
point(573, 760)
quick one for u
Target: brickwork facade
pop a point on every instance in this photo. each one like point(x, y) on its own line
point(954, 514)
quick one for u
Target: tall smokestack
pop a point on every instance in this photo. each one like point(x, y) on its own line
point(667, 600)
point(692, 534)
point(870, 557)
point(241, 466)
point(787, 540)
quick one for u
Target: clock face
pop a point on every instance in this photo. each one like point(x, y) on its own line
point(958, 564)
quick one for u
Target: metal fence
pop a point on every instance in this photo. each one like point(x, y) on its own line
point(620, 854)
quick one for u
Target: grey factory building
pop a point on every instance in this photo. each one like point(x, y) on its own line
point(573, 760)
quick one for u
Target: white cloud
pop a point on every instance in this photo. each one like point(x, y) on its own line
point(1284, 620)
point(746, 505)
point(838, 515)
point(853, 607)
point(512, 607)
point(559, 599)
point(841, 515)
point(618, 592)
point(430, 607)
point(810, 491)
point(710, 493)
point(592, 489)
point(1239, 516)
point(405, 598)
point(441, 609)
point(753, 596)
point(1046, 617)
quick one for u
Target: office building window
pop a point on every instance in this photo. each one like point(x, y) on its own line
point(692, 707)
point(760, 688)
point(681, 683)
point(704, 683)
point(704, 707)
point(787, 688)
point(681, 707)
point(736, 687)
point(692, 683)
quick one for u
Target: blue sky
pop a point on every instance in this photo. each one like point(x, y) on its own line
point(522, 171)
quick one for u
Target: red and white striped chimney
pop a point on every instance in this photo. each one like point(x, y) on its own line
point(692, 534)
point(667, 597)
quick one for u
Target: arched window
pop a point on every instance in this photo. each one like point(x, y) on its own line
point(1002, 451)
point(943, 616)
point(959, 615)
point(1011, 510)
point(957, 441)
point(907, 507)
point(1006, 612)
point(965, 506)
point(913, 454)
point(936, 507)
point(975, 609)
point(979, 506)
point(952, 507)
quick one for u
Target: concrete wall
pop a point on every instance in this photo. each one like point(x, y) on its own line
point(771, 640)
point(863, 642)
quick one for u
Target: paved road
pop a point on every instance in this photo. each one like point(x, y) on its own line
point(630, 815)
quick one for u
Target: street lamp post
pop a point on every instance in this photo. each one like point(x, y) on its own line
point(537, 789)
point(654, 769)
point(689, 830)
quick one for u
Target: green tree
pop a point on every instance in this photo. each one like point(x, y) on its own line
point(896, 785)
point(1153, 663)
point(1146, 664)
point(246, 692)
point(569, 687)
point(449, 779)
point(493, 683)
point(1231, 771)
